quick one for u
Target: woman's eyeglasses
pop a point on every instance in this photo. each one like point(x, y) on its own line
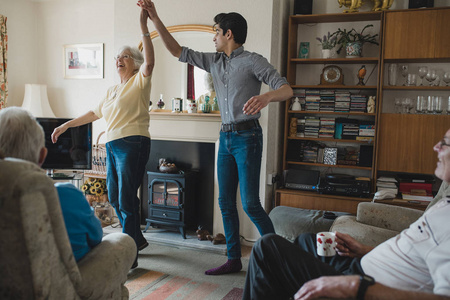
point(126, 56)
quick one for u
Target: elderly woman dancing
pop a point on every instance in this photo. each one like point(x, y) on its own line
point(125, 110)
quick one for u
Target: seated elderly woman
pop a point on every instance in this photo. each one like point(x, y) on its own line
point(125, 110)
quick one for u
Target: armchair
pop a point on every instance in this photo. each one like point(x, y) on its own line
point(375, 223)
point(36, 259)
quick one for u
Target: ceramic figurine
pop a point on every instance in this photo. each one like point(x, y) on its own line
point(371, 105)
point(296, 104)
point(361, 75)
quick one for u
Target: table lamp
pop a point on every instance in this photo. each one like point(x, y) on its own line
point(36, 101)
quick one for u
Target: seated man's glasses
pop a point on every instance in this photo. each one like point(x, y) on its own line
point(443, 143)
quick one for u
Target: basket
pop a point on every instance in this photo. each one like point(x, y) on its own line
point(99, 157)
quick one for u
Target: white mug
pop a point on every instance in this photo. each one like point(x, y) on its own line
point(326, 243)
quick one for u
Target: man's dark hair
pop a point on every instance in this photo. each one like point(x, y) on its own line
point(236, 23)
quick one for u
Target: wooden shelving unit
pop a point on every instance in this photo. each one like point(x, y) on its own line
point(403, 143)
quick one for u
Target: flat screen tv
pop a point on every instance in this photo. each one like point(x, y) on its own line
point(73, 150)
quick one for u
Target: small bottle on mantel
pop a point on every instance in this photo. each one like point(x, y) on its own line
point(161, 104)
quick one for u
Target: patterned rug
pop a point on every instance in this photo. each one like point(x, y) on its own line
point(158, 286)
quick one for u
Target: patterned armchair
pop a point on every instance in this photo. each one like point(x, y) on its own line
point(36, 259)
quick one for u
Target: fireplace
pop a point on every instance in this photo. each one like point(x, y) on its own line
point(171, 200)
point(194, 156)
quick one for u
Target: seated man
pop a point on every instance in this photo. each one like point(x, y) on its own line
point(21, 136)
point(415, 264)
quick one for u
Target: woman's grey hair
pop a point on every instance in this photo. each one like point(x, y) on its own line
point(136, 55)
point(21, 136)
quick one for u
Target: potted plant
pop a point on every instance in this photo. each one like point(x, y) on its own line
point(353, 40)
point(327, 43)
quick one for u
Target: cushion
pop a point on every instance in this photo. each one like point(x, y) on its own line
point(290, 222)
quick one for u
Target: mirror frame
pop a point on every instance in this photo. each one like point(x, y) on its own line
point(181, 28)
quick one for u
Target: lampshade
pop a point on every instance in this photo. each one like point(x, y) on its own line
point(36, 101)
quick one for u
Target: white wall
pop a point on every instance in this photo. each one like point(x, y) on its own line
point(22, 47)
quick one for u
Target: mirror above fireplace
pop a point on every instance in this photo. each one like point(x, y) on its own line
point(170, 77)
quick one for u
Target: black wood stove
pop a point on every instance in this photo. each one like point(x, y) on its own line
point(171, 200)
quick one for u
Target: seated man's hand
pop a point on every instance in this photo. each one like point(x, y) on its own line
point(329, 286)
point(348, 246)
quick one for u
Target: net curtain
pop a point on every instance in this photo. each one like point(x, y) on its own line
point(3, 62)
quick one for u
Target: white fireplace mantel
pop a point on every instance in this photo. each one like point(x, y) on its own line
point(185, 127)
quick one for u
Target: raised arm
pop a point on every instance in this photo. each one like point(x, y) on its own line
point(148, 51)
point(81, 120)
point(168, 40)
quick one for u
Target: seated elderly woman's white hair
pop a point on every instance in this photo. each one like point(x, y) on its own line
point(136, 55)
point(21, 136)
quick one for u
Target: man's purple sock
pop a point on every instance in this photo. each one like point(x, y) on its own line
point(231, 266)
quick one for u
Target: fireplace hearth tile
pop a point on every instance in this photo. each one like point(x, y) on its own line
point(174, 239)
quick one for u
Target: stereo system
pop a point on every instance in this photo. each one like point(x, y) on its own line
point(333, 184)
point(345, 185)
point(302, 180)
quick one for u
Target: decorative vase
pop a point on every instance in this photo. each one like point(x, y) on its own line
point(353, 49)
point(206, 107)
point(191, 106)
point(326, 53)
point(215, 105)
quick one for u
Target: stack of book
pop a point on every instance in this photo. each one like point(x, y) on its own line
point(326, 127)
point(312, 126)
point(367, 130)
point(387, 183)
point(312, 100)
point(358, 103)
point(342, 101)
point(350, 129)
point(327, 100)
point(348, 156)
point(301, 127)
point(309, 152)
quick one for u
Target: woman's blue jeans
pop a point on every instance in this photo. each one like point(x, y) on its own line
point(126, 159)
point(239, 161)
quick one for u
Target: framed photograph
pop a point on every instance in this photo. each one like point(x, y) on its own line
point(83, 61)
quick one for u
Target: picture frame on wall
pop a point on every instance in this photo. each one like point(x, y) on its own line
point(83, 61)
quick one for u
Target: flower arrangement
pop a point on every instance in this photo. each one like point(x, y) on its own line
point(94, 186)
point(328, 41)
point(352, 36)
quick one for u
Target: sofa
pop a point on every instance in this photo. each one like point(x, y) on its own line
point(373, 224)
point(36, 259)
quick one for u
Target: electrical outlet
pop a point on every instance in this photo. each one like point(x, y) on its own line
point(270, 178)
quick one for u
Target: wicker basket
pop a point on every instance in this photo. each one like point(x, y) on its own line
point(99, 157)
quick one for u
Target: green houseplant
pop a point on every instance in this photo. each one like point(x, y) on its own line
point(353, 40)
point(327, 43)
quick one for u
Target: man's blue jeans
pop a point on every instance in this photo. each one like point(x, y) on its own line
point(239, 160)
point(126, 159)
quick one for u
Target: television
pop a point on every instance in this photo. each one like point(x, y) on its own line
point(72, 151)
